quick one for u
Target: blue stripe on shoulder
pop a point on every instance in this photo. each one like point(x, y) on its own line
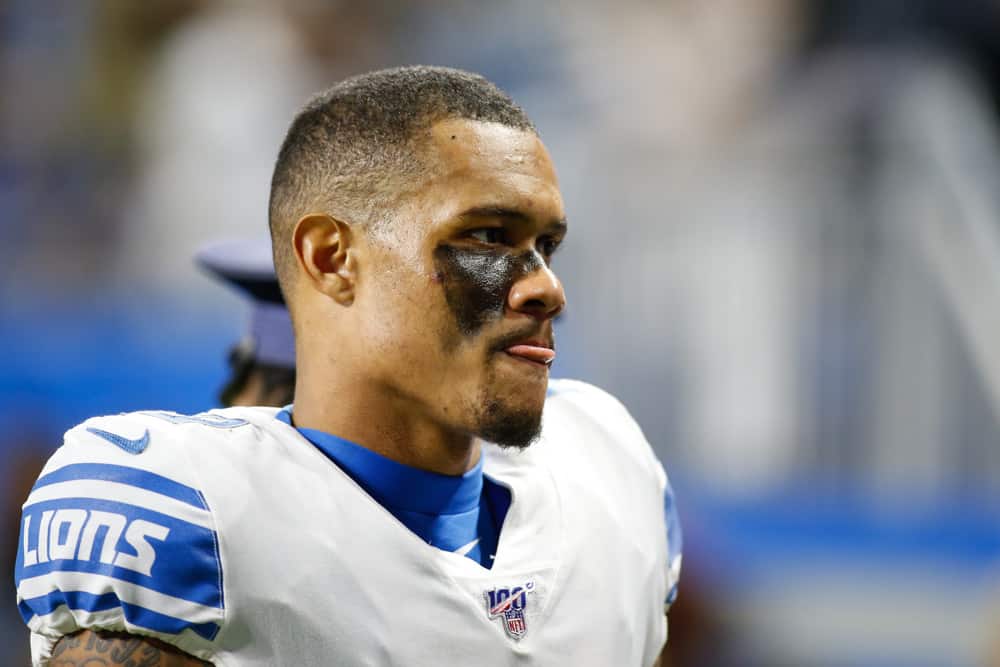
point(80, 600)
point(185, 563)
point(185, 586)
point(142, 479)
point(675, 538)
point(134, 614)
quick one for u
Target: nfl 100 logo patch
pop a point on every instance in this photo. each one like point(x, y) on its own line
point(509, 605)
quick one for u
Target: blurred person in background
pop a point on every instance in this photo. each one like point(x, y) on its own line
point(262, 364)
point(414, 215)
point(224, 83)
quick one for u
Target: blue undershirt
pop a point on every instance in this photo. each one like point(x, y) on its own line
point(448, 512)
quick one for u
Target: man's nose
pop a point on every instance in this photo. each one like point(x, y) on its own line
point(539, 294)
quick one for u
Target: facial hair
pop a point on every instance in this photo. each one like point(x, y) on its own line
point(508, 427)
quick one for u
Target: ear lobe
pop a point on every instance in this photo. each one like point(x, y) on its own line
point(323, 249)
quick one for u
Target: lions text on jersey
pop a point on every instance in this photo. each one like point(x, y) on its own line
point(234, 538)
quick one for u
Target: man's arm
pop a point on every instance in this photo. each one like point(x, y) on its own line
point(117, 649)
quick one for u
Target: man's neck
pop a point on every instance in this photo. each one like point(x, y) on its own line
point(388, 425)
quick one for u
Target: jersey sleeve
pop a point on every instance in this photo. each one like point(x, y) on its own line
point(115, 537)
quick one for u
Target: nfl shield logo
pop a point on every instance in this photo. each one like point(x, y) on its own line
point(509, 604)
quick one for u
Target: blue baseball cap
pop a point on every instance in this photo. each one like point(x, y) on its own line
point(246, 264)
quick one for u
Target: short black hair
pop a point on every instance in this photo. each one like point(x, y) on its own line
point(349, 151)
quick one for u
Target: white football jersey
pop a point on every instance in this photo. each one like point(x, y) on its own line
point(232, 537)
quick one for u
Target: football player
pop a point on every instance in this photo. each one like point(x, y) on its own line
point(262, 364)
point(431, 497)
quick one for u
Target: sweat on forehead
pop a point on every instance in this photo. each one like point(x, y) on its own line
point(349, 151)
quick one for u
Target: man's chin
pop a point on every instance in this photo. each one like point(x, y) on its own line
point(509, 427)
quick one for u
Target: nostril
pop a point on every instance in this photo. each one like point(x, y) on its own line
point(535, 304)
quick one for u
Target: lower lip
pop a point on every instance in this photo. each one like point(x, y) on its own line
point(536, 356)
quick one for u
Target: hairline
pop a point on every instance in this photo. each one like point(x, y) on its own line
point(416, 147)
point(356, 151)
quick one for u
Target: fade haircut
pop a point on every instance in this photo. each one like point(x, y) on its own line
point(352, 149)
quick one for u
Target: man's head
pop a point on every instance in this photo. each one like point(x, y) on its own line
point(413, 215)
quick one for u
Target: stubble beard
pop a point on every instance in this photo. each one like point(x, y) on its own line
point(505, 425)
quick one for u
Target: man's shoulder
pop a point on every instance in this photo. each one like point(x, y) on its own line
point(582, 394)
point(146, 434)
point(222, 419)
point(118, 534)
point(581, 402)
point(588, 416)
point(157, 450)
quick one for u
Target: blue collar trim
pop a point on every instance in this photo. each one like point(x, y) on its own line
point(394, 485)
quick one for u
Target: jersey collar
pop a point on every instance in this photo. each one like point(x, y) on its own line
point(394, 484)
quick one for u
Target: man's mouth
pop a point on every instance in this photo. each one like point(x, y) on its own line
point(534, 351)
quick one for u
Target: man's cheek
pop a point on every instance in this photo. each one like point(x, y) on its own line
point(476, 282)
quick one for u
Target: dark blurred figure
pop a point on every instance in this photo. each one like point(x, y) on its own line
point(262, 364)
point(697, 631)
point(20, 468)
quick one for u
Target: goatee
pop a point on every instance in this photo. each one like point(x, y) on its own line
point(507, 427)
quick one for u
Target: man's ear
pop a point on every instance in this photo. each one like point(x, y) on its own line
point(323, 248)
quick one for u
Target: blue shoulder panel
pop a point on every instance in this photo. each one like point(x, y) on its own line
point(675, 538)
point(100, 537)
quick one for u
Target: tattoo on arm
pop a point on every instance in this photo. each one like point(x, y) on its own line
point(117, 649)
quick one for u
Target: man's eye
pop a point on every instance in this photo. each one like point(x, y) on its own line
point(489, 235)
point(547, 246)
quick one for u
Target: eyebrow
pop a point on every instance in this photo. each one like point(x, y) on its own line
point(558, 225)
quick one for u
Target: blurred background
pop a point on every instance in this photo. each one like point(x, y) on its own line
point(785, 259)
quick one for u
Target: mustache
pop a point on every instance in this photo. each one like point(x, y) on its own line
point(527, 333)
